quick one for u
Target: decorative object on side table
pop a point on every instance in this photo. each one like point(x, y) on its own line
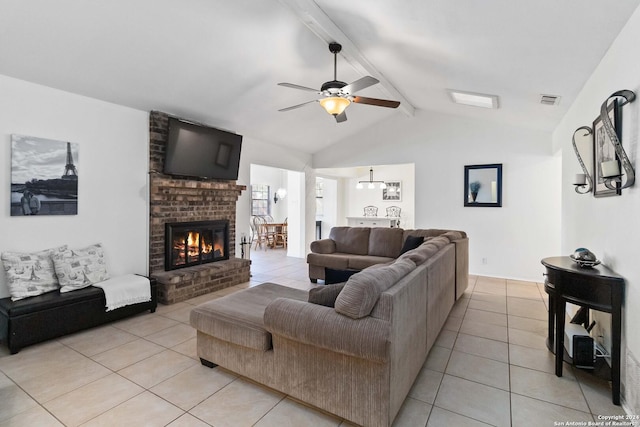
point(584, 258)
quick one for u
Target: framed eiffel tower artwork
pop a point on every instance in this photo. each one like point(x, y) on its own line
point(44, 176)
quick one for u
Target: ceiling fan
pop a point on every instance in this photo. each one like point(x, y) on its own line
point(338, 95)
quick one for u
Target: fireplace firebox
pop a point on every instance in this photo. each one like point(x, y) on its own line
point(195, 242)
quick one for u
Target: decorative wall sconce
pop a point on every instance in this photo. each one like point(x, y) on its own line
point(583, 181)
point(281, 193)
point(371, 183)
point(607, 169)
point(610, 169)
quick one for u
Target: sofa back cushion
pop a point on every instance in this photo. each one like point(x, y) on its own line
point(351, 240)
point(432, 232)
point(360, 294)
point(385, 242)
point(421, 254)
point(326, 294)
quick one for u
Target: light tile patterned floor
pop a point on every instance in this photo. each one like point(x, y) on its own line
point(489, 366)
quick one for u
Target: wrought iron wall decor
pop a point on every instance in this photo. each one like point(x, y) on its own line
point(605, 159)
point(608, 170)
point(583, 182)
point(614, 178)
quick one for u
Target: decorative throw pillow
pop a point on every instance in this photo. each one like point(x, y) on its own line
point(326, 295)
point(30, 274)
point(79, 268)
point(363, 290)
point(332, 276)
point(412, 242)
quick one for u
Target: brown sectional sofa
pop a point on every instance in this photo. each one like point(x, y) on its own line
point(357, 359)
point(356, 248)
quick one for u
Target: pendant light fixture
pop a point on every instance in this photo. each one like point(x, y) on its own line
point(371, 182)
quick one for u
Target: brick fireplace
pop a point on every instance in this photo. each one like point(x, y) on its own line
point(174, 200)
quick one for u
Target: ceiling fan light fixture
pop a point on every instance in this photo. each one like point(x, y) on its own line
point(334, 105)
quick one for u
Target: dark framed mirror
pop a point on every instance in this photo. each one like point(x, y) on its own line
point(483, 185)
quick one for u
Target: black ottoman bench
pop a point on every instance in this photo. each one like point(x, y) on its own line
point(54, 314)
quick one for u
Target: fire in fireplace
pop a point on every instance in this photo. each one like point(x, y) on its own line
point(195, 242)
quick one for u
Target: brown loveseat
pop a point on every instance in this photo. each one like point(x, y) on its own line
point(356, 248)
point(356, 357)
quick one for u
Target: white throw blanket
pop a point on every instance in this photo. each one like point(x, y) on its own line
point(125, 290)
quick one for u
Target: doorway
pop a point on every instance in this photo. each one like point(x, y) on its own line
point(278, 195)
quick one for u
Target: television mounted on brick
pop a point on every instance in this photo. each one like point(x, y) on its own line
point(201, 151)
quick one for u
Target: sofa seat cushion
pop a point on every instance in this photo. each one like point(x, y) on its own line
point(360, 262)
point(336, 261)
point(48, 301)
point(238, 318)
point(362, 291)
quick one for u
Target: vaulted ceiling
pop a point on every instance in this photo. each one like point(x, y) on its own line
point(219, 62)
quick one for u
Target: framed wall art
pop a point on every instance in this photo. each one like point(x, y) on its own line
point(44, 176)
point(483, 185)
point(393, 192)
point(603, 151)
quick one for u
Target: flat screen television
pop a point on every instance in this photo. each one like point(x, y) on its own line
point(201, 151)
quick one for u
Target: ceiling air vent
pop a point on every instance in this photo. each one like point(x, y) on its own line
point(549, 99)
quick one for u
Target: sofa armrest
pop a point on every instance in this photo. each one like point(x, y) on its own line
point(321, 326)
point(324, 246)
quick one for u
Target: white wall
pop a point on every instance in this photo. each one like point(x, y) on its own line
point(513, 238)
point(112, 167)
point(608, 226)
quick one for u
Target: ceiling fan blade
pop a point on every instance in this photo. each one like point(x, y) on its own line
point(293, 107)
point(360, 84)
point(342, 117)
point(377, 102)
point(292, 86)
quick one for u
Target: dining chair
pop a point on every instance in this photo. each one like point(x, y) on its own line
point(254, 232)
point(370, 211)
point(281, 234)
point(394, 211)
point(262, 235)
